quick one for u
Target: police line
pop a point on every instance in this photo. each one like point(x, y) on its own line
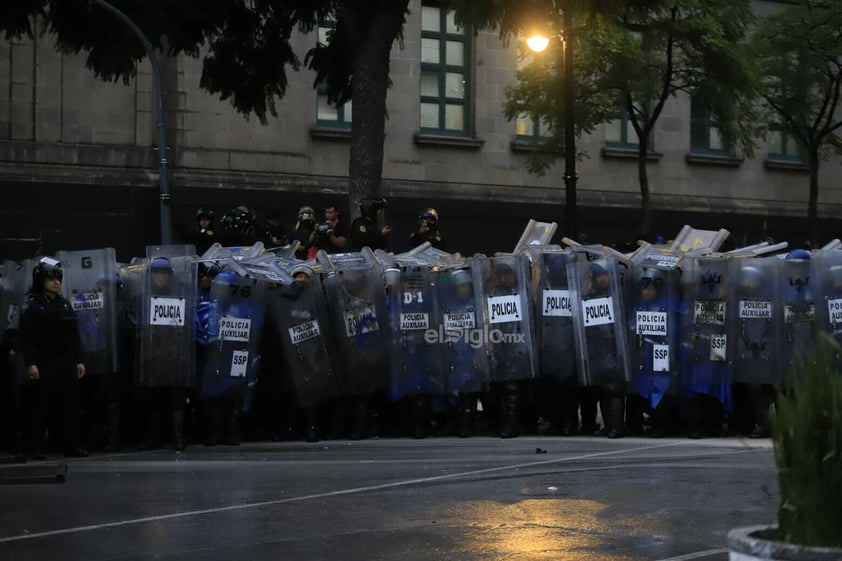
point(661, 320)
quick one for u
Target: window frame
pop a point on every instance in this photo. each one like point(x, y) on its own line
point(342, 121)
point(707, 122)
point(800, 157)
point(442, 69)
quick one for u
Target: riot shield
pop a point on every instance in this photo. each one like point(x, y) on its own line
point(302, 324)
point(413, 314)
point(754, 320)
point(235, 323)
point(704, 334)
point(828, 270)
point(356, 298)
point(19, 275)
point(91, 285)
point(167, 346)
point(465, 360)
point(553, 313)
point(798, 301)
point(598, 320)
point(503, 283)
point(536, 233)
point(652, 302)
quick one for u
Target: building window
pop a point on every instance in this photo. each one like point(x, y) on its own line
point(620, 133)
point(705, 137)
point(445, 74)
point(784, 147)
point(533, 129)
point(329, 115)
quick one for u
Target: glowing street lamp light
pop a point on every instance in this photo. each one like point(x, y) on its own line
point(538, 43)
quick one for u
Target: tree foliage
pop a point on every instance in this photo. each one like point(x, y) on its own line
point(800, 58)
point(633, 56)
point(246, 49)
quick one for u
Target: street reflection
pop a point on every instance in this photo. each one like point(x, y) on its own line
point(537, 529)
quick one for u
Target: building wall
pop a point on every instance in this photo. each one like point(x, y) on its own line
point(78, 166)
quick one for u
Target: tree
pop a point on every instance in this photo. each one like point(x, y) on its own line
point(632, 57)
point(248, 52)
point(800, 59)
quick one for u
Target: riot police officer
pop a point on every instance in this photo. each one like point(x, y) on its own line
point(428, 230)
point(238, 227)
point(369, 229)
point(52, 355)
point(205, 235)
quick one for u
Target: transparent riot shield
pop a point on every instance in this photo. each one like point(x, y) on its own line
point(652, 303)
point(302, 324)
point(536, 233)
point(465, 360)
point(7, 296)
point(828, 270)
point(19, 275)
point(704, 333)
point(167, 345)
point(598, 320)
point(503, 283)
point(356, 298)
point(235, 324)
point(91, 285)
point(413, 314)
point(553, 313)
point(798, 300)
point(754, 320)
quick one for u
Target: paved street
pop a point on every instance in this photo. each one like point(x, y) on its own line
point(412, 500)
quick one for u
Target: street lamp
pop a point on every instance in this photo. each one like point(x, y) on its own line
point(539, 43)
point(163, 172)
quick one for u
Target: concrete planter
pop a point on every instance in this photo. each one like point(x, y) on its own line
point(744, 545)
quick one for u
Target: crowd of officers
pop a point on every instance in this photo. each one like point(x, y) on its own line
point(349, 341)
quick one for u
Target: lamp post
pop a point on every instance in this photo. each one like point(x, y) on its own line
point(163, 164)
point(538, 43)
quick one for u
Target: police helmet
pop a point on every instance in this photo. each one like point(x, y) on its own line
point(302, 269)
point(370, 206)
point(47, 268)
point(429, 215)
point(798, 254)
point(204, 213)
point(461, 276)
point(835, 273)
point(597, 269)
point(557, 267)
point(306, 213)
point(391, 276)
point(750, 276)
point(209, 269)
point(652, 277)
point(160, 265)
point(240, 218)
point(226, 278)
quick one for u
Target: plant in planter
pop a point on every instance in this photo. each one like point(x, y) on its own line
point(807, 432)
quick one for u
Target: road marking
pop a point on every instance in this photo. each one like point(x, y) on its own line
point(352, 491)
point(698, 555)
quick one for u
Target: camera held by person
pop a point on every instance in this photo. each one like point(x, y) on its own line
point(428, 230)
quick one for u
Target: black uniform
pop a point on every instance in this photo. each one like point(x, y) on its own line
point(433, 236)
point(50, 340)
point(366, 233)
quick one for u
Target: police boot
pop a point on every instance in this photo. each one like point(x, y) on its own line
point(114, 428)
point(569, 413)
point(213, 420)
point(312, 423)
point(467, 412)
point(179, 438)
point(511, 405)
point(634, 414)
point(233, 437)
point(419, 416)
point(358, 431)
point(614, 407)
point(153, 429)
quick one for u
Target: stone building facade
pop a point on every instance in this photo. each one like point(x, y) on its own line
point(78, 166)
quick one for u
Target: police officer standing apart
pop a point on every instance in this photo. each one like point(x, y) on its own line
point(51, 351)
point(370, 229)
point(205, 235)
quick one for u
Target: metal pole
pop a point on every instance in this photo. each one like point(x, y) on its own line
point(569, 128)
point(163, 164)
